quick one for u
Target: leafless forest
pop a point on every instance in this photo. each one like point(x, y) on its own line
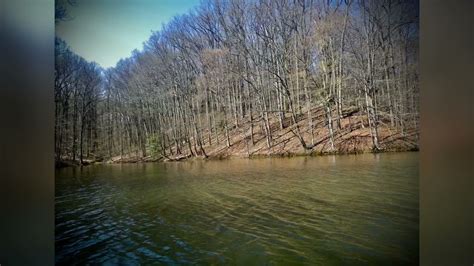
point(248, 76)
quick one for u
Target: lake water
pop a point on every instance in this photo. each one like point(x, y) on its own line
point(329, 210)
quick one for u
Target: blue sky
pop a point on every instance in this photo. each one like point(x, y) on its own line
point(106, 30)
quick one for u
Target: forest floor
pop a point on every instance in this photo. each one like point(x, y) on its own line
point(353, 137)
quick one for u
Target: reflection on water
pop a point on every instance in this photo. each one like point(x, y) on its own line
point(307, 210)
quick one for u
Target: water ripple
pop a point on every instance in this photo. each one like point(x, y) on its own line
point(339, 210)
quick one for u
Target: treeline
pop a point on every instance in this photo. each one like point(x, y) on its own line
point(240, 63)
point(77, 94)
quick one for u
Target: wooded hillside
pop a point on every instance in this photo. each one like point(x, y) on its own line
point(249, 77)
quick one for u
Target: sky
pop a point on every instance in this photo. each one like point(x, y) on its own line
point(104, 31)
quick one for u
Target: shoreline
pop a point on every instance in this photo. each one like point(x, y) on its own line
point(353, 137)
point(68, 163)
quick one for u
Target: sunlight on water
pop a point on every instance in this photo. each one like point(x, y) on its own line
point(307, 210)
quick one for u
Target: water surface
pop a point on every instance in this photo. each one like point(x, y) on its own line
point(330, 210)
